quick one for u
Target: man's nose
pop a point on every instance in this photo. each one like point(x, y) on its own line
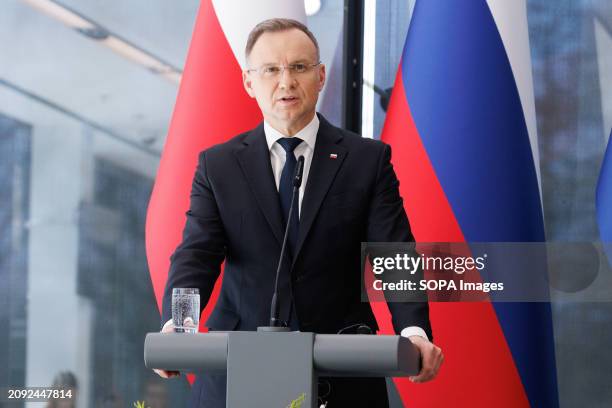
point(286, 79)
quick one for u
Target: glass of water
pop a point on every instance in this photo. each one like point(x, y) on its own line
point(185, 310)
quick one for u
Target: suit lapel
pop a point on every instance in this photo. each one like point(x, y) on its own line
point(327, 158)
point(254, 160)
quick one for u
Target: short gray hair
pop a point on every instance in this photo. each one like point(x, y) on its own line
point(275, 25)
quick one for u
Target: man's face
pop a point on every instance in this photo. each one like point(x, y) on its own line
point(288, 99)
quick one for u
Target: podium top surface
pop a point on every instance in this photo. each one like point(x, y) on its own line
point(332, 354)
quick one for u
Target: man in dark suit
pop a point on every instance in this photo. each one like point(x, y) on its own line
point(239, 209)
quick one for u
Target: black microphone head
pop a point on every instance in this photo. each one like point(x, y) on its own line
point(299, 172)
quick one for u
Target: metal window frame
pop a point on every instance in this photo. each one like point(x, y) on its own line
point(352, 68)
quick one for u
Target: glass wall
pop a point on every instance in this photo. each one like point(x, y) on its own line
point(81, 131)
point(571, 52)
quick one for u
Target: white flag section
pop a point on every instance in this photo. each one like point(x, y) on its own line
point(238, 17)
point(511, 20)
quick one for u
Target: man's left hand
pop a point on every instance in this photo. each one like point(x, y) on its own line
point(431, 359)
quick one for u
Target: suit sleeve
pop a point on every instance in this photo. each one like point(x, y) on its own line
point(196, 262)
point(387, 222)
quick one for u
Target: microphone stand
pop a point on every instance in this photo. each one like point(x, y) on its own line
point(275, 322)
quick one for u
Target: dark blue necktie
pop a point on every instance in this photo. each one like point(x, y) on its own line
point(285, 189)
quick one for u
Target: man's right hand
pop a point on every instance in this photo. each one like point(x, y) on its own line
point(168, 328)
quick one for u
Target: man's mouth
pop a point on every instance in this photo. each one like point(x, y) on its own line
point(288, 99)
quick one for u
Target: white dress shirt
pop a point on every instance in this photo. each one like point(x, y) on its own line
point(278, 155)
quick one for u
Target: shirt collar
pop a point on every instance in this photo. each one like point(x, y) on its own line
point(308, 134)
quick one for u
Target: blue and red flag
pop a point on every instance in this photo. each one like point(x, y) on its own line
point(461, 124)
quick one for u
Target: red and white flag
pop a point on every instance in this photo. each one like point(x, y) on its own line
point(212, 106)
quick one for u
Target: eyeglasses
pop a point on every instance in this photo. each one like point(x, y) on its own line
point(274, 71)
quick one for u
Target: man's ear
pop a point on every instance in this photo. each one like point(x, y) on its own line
point(322, 76)
point(248, 85)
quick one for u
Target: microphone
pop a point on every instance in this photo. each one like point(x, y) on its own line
point(297, 178)
point(297, 182)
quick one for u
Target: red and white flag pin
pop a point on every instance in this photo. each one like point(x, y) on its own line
point(333, 156)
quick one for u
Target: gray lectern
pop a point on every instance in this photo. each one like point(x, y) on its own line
point(274, 367)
